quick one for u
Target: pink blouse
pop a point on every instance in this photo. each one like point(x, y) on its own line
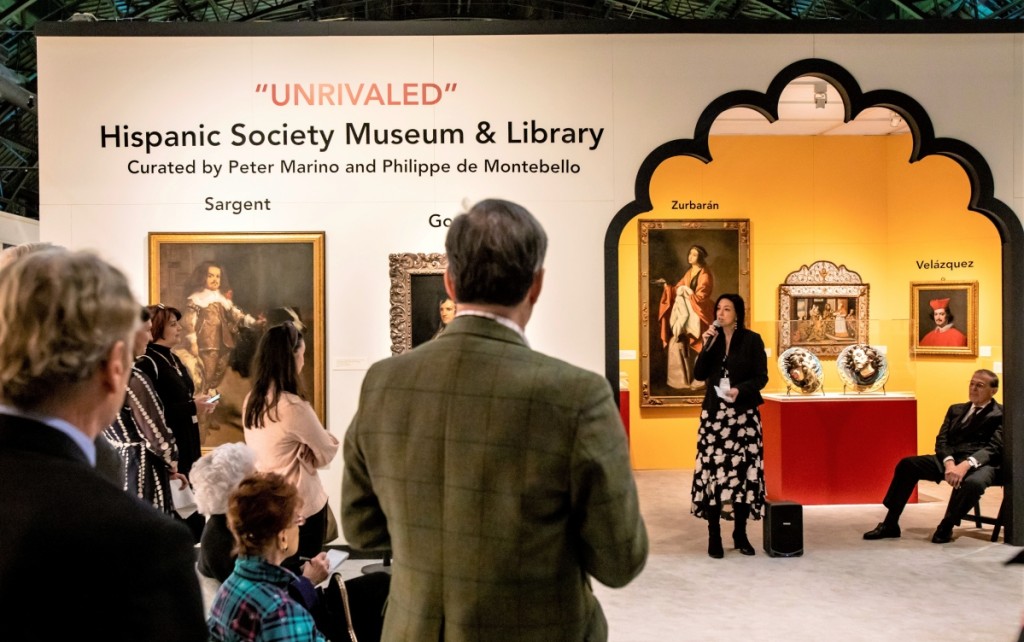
point(293, 443)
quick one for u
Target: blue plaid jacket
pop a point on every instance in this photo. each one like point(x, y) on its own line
point(253, 605)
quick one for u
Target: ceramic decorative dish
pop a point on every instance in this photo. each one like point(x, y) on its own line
point(862, 367)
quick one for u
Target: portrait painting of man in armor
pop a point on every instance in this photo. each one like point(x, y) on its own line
point(230, 288)
point(420, 307)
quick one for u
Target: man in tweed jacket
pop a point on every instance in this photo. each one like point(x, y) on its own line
point(499, 477)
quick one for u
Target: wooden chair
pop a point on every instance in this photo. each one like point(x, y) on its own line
point(355, 608)
point(997, 521)
point(338, 610)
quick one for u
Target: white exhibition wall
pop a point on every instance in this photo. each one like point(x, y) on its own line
point(636, 91)
point(15, 230)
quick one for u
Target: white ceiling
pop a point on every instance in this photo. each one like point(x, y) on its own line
point(800, 116)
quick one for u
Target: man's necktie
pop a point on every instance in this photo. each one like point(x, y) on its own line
point(970, 415)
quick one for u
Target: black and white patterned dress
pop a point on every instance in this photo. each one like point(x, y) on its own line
point(729, 467)
point(145, 443)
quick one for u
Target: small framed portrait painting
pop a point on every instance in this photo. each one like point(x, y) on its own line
point(944, 318)
point(420, 308)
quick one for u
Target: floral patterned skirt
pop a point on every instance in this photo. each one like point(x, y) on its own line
point(729, 468)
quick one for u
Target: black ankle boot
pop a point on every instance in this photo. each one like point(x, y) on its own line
point(742, 544)
point(715, 549)
point(739, 532)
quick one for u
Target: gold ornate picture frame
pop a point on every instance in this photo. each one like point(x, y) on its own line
point(944, 318)
point(417, 294)
point(823, 308)
point(677, 298)
point(270, 278)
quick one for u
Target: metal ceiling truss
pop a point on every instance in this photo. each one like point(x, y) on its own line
point(19, 156)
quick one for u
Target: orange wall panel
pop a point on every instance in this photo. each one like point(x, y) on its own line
point(855, 201)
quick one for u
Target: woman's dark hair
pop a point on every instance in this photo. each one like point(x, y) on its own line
point(738, 305)
point(161, 315)
point(702, 254)
point(263, 505)
point(244, 351)
point(273, 372)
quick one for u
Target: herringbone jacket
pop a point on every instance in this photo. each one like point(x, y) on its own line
point(500, 478)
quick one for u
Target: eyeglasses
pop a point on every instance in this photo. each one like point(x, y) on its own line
point(980, 384)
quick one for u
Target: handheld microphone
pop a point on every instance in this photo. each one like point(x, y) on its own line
point(718, 326)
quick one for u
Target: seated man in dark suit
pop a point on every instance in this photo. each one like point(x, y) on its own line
point(967, 456)
point(66, 326)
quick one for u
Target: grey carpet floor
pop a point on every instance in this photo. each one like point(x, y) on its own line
point(842, 588)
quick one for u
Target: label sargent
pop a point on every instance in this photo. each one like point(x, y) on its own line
point(237, 206)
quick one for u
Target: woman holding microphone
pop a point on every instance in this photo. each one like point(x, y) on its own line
point(729, 471)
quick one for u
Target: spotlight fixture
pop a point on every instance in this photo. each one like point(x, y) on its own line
point(896, 120)
point(820, 95)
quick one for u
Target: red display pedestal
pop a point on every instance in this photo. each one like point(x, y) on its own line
point(836, 449)
point(624, 409)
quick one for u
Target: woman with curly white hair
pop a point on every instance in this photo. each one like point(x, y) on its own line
point(214, 476)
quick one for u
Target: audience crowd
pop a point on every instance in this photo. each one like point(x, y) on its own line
point(498, 478)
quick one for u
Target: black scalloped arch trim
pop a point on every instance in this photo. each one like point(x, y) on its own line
point(982, 198)
point(855, 101)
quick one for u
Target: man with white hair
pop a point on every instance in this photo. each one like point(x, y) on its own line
point(66, 326)
point(108, 460)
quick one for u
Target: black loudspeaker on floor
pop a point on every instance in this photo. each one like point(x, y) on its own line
point(784, 529)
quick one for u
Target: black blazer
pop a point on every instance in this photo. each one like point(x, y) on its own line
point(981, 438)
point(175, 389)
point(65, 530)
point(747, 365)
